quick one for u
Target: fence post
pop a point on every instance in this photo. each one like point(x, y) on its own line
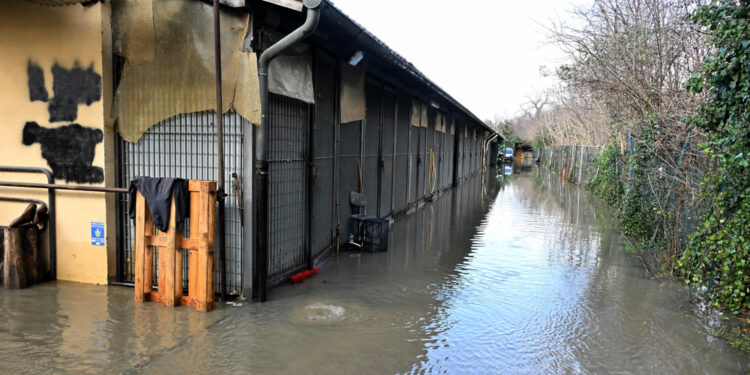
point(630, 163)
point(580, 166)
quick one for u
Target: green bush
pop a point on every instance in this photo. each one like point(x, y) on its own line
point(717, 257)
point(606, 183)
point(640, 207)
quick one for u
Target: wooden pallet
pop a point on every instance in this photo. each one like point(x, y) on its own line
point(201, 246)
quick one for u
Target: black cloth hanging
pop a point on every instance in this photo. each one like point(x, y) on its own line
point(158, 193)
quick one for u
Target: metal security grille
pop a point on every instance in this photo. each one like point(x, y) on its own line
point(401, 192)
point(287, 183)
point(184, 146)
point(323, 145)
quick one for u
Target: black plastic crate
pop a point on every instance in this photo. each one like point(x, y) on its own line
point(375, 235)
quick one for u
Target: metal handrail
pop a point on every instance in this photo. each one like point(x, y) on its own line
point(25, 200)
point(51, 187)
point(52, 212)
point(64, 187)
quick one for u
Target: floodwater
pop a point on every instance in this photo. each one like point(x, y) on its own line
point(525, 275)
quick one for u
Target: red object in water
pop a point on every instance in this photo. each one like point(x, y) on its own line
point(300, 277)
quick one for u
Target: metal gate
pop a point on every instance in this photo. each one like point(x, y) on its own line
point(184, 146)
point(287, 184)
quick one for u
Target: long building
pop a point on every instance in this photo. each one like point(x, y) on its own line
point(102, 92)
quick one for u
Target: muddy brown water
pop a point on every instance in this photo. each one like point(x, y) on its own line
point(527, 275)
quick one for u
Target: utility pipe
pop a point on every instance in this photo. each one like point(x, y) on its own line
point(260, 190)
point(484, 156)
point(35, 185)
point(220, 194)
point(25, 200)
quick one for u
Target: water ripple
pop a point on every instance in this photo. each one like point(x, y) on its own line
point(527, 277)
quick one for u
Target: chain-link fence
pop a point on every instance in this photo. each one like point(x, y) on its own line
point(576, 163)
point(654, 185)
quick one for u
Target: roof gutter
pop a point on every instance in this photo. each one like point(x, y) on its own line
point(261, 143)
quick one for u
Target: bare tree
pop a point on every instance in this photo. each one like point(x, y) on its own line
point(629, 63)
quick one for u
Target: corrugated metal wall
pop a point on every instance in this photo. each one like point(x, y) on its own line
point(401, 175)
point(429, 134)
point(420, 164)
point(313, 166)
point(371, 145)
point(349, 154)
point(184, 146)
point(465, 153)
point(414, 162)
point(387, 134)
point(315, 163)
point(324, 141)
point(439, 158)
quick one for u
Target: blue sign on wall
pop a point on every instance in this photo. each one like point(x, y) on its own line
point(97, 234)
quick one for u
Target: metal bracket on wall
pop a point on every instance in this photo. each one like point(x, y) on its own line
point(313, 168)
point(238, 194)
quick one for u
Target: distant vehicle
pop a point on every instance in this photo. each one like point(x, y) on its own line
point(509, 153)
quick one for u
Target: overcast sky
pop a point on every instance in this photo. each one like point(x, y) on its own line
point(487, 54)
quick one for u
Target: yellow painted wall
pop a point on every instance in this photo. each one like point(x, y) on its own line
point(47, 35)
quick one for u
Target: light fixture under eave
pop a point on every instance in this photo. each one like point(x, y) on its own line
point(356, 58)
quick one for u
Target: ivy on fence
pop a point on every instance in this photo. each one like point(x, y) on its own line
point(718, 255)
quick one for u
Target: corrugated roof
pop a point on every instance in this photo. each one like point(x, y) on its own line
point(291, 4)
point(362, 36)
point(401, 63)
point(231, 3)
point(57, 3)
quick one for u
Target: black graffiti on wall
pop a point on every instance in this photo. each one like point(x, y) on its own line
point(71, 87)
point(37, 90)
point(69, 150)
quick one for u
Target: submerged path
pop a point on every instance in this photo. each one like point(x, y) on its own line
point(526, 275)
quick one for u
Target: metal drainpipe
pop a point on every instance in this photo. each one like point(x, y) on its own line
point(484, 156)
point(220, 194)
point(261, 142)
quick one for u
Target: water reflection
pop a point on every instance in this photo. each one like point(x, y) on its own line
point(63, 327)
point(518, 273)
